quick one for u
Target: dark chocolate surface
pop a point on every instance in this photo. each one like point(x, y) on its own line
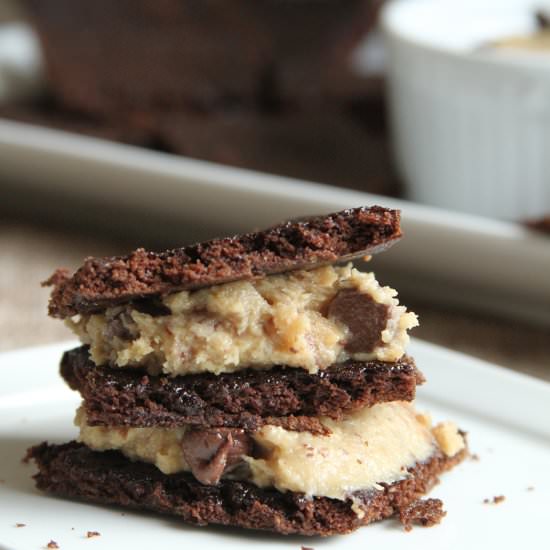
point(365, 319)
point(214, 452)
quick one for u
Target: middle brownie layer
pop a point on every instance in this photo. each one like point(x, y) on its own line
point(287, 397)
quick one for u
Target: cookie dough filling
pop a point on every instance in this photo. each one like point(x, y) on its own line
point(375, 445)
point(306, 319)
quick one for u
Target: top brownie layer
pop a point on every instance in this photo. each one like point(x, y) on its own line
point(305, 244)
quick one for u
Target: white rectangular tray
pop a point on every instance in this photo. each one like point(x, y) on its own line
point(455, 258)
point(505, 414)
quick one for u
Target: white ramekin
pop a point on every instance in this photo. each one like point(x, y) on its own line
point(471, 126)
point(21, 65)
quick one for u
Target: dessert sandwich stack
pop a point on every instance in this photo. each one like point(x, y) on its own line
point(259, 381)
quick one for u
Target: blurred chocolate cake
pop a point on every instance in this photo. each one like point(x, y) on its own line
point(264, 84)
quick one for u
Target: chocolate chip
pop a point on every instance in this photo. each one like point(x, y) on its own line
point(211, 452)
point(151, 306)
point(365, 319)
point(117, 328)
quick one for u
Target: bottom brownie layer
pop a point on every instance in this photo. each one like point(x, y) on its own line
point(73, 470)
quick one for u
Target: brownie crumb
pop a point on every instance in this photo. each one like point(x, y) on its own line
point(91, 534)
point(21, 525)
point(52, 544)
point(424, 512)
point(530, 488)
point(495, 500)
point(474, 457)
point(307, 548)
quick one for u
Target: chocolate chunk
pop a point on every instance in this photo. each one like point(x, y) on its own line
point(365, 319)
point(211, 452)
point(117, 327)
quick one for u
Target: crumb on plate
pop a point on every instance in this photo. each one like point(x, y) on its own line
point(424, 512)
point(495, 500)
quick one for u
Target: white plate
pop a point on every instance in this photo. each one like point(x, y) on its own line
point(505, 414)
